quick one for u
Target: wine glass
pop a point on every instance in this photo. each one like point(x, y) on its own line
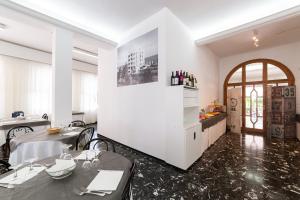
point(67, 155)
point(30, 161)
point(95, 161)
point(16, 168)
point(87, 163)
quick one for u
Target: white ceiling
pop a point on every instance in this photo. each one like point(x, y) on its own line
point(274, 34)
point(41, 38)
point(111, 18)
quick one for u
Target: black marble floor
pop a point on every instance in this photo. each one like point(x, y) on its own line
point(236, 167)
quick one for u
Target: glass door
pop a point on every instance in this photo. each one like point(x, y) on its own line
point(254, 105)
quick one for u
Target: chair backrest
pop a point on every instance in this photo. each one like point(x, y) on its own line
point(45, 116)
point(17, 131)
point(17, 113)
point(4, 167)
point(127, 190)
point(97, 142)
point(84, 137)
point(77, 123)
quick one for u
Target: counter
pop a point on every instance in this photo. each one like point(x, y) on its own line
point(207, 123)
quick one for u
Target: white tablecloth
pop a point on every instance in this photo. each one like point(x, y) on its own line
point(35, 150)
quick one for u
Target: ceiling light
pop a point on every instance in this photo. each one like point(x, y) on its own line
point(85, 52)
point(2, 26)
point(255, 38)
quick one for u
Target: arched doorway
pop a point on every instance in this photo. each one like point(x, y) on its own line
point(253, 79)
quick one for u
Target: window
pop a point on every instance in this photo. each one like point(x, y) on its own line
point(84, 94)
point(24, 85)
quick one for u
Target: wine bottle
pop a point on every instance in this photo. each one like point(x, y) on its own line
point(180, 78)
point(192, 79)
point(176, 78)
point(187, 79)
point(172, 79)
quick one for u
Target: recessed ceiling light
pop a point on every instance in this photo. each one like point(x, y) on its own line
point(2, 26)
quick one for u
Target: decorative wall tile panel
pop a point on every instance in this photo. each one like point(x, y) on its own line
point(277, 131)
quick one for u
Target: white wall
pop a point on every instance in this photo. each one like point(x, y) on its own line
point(286, 54)
point(17, 51)
point(182, 53)
point(135, 115)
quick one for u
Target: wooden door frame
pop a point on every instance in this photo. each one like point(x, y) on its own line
point(290, 80)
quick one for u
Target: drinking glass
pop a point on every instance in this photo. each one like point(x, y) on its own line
point(95, 161)
point(66, 155)
point(87, 163)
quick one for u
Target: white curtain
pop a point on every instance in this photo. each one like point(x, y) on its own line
point(84, 94)
point(24, 85)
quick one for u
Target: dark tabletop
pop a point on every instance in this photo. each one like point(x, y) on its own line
point(31, 123)
point(43, 187)
point(206, 123)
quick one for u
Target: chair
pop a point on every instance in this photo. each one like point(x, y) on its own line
point(15, 132)
point(77, 123)
point(17, 114)
point(127, 193)
point(97, 143)
point(84, 137)
point(4, 167)
point(45, 116)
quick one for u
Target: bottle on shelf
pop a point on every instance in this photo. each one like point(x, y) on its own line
point(180, 78)
point(176, 78)
point(172, 79)
point(186, 82)
point(192, 80)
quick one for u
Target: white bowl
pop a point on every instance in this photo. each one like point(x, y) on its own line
point(62, 169)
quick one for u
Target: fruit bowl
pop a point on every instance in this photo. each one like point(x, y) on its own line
point(53, 131)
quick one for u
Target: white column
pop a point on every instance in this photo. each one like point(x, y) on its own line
point(61, 77)
point(107, 80)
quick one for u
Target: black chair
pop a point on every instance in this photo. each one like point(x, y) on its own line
point(15, 132)
point(84, 137)
point(97, 142)
point(126, 195)
point(17, 114)
point(4, 167)
point(45, 116)
point(77, 123)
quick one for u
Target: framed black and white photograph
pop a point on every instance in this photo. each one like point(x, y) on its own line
point(138, 60)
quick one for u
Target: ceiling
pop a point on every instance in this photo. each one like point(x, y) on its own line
point(41, 38)
point(111, 18)
point(273, 34)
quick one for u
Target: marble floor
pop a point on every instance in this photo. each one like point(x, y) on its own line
point(236, 167)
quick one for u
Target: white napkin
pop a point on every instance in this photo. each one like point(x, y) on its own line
point(91, 154)
point(106, 180)
point(24, 175)
point(71, 133)
point(61, 165)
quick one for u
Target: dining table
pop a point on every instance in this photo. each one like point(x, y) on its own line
point(36, 123)
point(43, 187)
point(40, 144)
